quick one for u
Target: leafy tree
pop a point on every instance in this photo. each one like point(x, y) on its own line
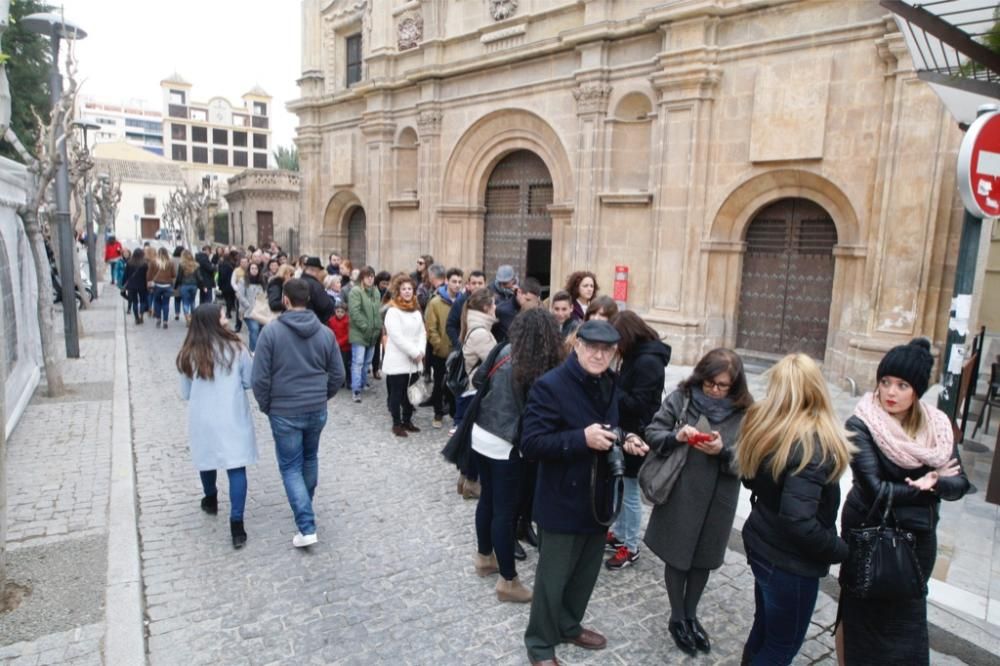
point(28, 59)
point(287, 158)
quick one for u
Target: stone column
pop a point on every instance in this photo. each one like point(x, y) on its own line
point(378, 131)
point(429, 168)
point(311, 199)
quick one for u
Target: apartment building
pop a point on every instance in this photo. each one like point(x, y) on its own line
point(135, 122)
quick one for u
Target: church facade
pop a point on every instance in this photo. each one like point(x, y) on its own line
point(771, 173)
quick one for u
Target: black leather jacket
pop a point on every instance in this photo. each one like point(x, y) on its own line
point(793, 520)
point(914, 509)
point(501, 406)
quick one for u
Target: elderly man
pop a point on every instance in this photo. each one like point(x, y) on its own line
point(568, 427)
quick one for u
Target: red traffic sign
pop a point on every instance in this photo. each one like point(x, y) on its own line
point(979, 166)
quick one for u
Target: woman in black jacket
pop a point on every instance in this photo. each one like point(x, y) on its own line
point(535, 348)
point(135, 284)
point(791, 456)
point(690, 531)
point(640, 384)
point(274, 286)
point(905, 448)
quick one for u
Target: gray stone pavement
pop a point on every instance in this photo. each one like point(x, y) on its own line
point(390, 581)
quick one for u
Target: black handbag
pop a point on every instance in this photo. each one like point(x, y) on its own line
point(882, 563)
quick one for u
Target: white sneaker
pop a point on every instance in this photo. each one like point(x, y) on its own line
point(302, 540)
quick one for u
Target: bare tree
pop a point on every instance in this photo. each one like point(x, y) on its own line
point(107, 196)
point(182, 211)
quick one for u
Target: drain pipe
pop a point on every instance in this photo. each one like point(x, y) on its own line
point(853, 386)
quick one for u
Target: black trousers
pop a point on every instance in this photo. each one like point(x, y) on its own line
point(399, 403)
point(441, 397)
point(230, 298)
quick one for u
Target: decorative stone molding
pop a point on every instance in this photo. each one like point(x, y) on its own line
point(687, 83)
point(429, 122)
point(404, 202)
point(591, 97)
point(625, 198)
point(501, 10)
point(409, 32)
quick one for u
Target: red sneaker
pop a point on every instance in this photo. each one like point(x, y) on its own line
point(622, 558)
point(611, 543)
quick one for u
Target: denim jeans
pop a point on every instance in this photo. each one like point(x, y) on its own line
point(237, 489)
point(361, 361)
point(629, 522)
point(161, 302)
point(118, 272)
point(253, 328)
point(497, 509)
point(188, 292)
point(784, 606)
point(296, 446)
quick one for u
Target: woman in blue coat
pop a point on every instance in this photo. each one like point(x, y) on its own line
point(215, 370)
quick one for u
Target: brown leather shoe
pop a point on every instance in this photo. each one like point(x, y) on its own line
point(588, 640)
point(399, 431)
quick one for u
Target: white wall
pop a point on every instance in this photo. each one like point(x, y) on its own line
point(130, 210)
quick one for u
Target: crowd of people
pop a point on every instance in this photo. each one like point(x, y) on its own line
point(555, 405)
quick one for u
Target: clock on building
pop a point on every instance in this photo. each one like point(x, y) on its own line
point(219, 112)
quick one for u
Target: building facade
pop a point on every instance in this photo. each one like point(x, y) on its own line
point(264, 206)
point(771, 173)
point(147, 182)
point(132, 122)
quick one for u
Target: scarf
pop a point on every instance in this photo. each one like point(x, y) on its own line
point(716, 410)
point(932, 446)
point(405, 306)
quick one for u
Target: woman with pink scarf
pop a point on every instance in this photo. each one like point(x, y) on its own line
point(907, 448)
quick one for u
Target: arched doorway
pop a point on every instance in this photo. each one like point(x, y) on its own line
point(518, 229)
point(357, 237)
point(787, 282)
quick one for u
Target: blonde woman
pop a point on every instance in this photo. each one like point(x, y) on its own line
point(791, 455)
point(907, 448)
point(187, 282)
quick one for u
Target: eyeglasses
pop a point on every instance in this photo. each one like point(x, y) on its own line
point(718, 386)
point(599, 349)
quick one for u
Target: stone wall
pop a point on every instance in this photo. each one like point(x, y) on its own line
point(271, 191)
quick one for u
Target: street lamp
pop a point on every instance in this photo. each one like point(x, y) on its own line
point(56, 28)
point(89, 206)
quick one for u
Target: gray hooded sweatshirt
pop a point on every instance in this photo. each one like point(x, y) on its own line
point(297, 365)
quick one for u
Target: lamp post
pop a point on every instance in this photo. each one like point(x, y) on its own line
point(89, 206)
point(56, 28)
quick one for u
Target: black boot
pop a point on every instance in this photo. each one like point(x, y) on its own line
point(679, 632)
point(239, 534)
point(526, 533)
point(210, 504)
point(699, 634)
point(519, 553)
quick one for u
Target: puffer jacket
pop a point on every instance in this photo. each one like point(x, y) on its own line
point(793, 520)
point(478, 339)
point(363, 306)
point(914, 509)
point(501, 406)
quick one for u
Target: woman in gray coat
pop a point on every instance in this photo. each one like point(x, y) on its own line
point(215, 372)
point(689, 532)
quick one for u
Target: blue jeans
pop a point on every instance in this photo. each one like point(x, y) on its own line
point(629, 522)
point(296, 446)
point(361, 361)
point(161, 302)
point(497, 509)
point(188, 292)
point(237, 489)
point(118, 272)
point(784, 606)
point(253, 328)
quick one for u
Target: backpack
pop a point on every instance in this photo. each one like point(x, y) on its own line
point(455, 376)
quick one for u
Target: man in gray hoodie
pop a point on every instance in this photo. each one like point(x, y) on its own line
point(297, 368)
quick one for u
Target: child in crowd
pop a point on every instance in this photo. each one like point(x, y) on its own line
point(215, 369)
point(340, 323)
point(562, 308)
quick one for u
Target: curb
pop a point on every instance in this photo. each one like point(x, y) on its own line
point(124, 639)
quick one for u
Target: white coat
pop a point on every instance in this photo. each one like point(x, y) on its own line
point(406, 340)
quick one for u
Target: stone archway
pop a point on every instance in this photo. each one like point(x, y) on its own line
point(726, 250)
point(461, 217)
point(334, 236)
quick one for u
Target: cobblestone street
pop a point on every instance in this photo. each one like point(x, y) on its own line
point(391, 580)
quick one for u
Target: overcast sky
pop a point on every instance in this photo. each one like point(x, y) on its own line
point(222, 47)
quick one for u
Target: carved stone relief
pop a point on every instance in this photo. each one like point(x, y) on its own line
point(502, 9)
point(409, 32)
point(591, 97)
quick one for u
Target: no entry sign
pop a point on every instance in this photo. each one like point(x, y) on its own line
point(979, 166)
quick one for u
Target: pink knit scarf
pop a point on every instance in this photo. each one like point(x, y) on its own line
point(932, 446)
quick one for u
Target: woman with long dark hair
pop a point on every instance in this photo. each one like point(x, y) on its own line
point(406, 340)
point(644, 359)
point(582, 287)
point(187, 282)
point(691, 530)
point(251, 287)
point(215, 372)
point(535, 347)
point(161, 276)
point(906, 449)
point(136, 271)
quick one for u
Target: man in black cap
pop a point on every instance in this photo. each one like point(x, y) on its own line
point(313, 272)
point(568, 428)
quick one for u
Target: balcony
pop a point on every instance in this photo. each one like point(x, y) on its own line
point(259, 122)
point(177, 111)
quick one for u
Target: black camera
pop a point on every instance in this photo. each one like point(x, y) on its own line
point(616, 454)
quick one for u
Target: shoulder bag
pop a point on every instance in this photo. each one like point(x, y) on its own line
point(660, 471)
point(882, 563)
point(261, 312)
